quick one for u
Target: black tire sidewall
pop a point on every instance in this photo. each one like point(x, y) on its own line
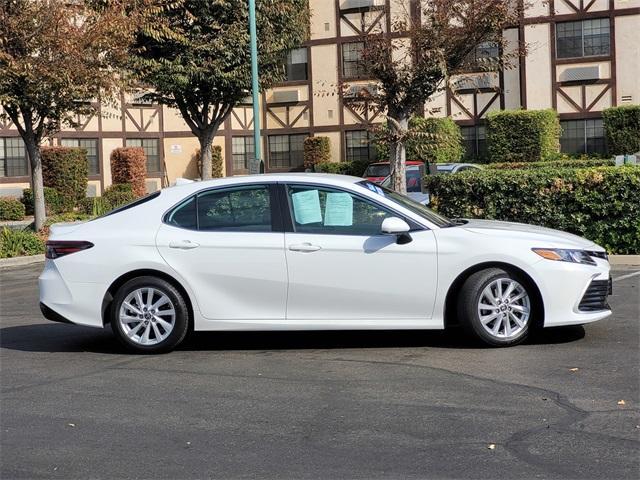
point(180, 327)
point(468, 302)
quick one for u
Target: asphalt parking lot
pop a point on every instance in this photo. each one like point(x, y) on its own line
point(318, 405)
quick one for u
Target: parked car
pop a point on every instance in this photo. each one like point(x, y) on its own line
point(377, 172)
point(457, 167)
point(312, 252)
point(415, 183)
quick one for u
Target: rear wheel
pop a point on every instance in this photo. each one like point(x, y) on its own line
point(497, 306)
point(149, 315)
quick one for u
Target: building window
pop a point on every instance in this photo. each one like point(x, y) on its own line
point(585, 38)
point(242, 151)
point(583, 136)
point(474, 139)
point(13, 157)
point(352, 66)
point(151, 150)
point(358, 146)
point(297, 65)
point(91, 146)
point(286, 151)
point(484, 56)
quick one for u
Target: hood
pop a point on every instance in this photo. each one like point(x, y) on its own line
point(540, 236)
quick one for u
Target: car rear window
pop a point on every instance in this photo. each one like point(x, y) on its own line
point(135, 203)
point(378, 171)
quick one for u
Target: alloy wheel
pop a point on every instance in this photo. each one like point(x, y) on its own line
point(504, 308)
point(147, 316)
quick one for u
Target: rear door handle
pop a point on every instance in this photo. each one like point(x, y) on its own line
point(304, 247)
point(184, 245)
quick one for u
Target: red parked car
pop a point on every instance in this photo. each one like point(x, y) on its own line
point(377, 172)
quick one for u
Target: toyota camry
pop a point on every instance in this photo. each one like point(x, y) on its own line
point(313, 252)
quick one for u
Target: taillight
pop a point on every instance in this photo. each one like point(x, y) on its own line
point(60, 248)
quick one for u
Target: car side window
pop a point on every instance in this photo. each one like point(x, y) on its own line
point(325, 210)
point(184, 215)
point(242, 209)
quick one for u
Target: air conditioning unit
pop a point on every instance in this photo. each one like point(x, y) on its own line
point(360, 4)
point(473, 82)
point(580, 74)
point(286, 96)
point(361, 91)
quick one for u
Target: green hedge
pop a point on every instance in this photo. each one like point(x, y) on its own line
point(598, 203)
point(316, 150)
point(344, 168)
point(431, 140)
point(11, 209)
point(113, 197)
point(622, 129)
point(65, 169)
point(569, 163)
point(53, 201)
point(16, 243)
point(522, 135)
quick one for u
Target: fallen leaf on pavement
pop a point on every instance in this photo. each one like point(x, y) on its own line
point(621, 402)
point(492, 446)
point(71, 424)
point(574, 369)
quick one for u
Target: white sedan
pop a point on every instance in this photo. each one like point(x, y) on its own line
point(313, 252)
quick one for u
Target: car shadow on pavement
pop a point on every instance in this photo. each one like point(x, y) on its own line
point(69, 338)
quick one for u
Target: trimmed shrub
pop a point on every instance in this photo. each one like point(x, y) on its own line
point(316, 150)
point(217, 162)
point(568, 163)
point(622, 129)
point(344, 168)
point(598, 203)
point(522, 135)
point(65, 169)
point(129, 165)
point(11, 209)
point(16, 243)
point(434, 140)
point(53, 201)
point(113, 197)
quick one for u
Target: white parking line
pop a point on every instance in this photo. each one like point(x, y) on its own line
point(624, 277)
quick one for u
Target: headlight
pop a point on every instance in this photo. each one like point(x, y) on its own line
point(565, 255)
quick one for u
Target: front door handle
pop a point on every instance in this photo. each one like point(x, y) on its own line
point(184, 245)
point(304, 247)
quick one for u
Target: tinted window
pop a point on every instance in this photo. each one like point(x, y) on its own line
point(245, 209)
point(184, 215)
point(328, 211)
point(377, 171)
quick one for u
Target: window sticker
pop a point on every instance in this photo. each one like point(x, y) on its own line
point(338, 211)
point(306, 207)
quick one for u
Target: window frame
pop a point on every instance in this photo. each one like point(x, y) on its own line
point(152, 173)
point(5, 158)
point(359, 74)
point(582, 22)
point(288, 66)
point(274, 202)
point(371, 150)
point(247, 157)
point(288, 214)
point(289, 166)
point(584, 138)
point(97, 156)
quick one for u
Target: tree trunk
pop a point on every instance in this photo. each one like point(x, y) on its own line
point(398, 154)
point(33, 149)
point(205, 156)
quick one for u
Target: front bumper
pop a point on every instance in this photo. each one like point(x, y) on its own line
point(573, 294)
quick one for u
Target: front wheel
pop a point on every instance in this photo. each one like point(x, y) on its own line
point(149, 315)
point(497, 307)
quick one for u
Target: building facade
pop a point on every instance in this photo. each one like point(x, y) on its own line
point(583, 56)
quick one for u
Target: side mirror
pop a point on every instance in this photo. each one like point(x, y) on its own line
point(394, 226)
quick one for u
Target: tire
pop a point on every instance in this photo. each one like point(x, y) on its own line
point(149, 315)
point(497, 320)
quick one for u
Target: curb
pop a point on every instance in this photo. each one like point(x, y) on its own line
point(20, 261)
point(628, 260)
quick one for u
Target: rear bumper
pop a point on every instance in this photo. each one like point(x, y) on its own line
point(52, 315)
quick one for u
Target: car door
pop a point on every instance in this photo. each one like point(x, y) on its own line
point(229, 246)
point(342, 268)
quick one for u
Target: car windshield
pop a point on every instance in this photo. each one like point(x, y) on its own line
point(377, 171)
point(409, 204)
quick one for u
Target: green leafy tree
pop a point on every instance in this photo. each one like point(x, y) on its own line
point(203, 68)
point(429, 44)
point(56, 58)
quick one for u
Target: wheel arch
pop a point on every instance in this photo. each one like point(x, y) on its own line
point(107, 300)
point(450, 308)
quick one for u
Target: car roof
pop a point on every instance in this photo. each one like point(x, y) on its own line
point(408, 162)
point(325, 178)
